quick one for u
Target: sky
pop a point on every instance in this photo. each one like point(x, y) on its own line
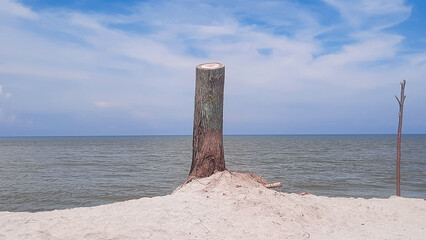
point(96, 67)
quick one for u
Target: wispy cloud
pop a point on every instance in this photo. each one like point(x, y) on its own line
point(375, 15)
point(139, 64)
point(10, 7)
point(102, 104)
point(3, 94)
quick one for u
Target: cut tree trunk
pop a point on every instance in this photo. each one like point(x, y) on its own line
point(207, 152)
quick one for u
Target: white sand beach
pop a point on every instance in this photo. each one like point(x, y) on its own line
point(227, 206)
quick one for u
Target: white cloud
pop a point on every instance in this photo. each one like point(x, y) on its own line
point(85, 21)
point(370, 7)
point(5, 95)
point(365, 51)
point(102, 104)
point(375, 14)
point(153, 52)
point(10, 7)
point(417, 59)
point(374, 7)
point(145, 61)
point(42, 70)
point(111, 104)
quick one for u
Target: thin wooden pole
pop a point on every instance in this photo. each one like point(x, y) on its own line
point(207, 145)
point(398, 144)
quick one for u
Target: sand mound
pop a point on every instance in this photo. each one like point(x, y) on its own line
point(227, 206)
point(222, 182)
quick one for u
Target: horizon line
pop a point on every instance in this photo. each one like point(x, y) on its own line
point(183, 135)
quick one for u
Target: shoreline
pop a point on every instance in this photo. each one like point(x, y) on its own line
point(226, 206)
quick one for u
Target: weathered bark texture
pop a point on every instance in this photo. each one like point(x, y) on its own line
point(398, 143)
point(207, 151)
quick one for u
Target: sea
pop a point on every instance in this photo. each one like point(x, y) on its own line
point(47, 173)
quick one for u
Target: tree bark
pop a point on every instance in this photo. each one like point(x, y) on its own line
point(207, 152)
point(398, 143)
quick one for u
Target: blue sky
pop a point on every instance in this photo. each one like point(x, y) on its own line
point(292, 67)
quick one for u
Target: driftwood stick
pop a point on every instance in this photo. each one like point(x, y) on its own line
point(273, 185)
point(398, 143)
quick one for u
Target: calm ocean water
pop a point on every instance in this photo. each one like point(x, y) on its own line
point(38, 174)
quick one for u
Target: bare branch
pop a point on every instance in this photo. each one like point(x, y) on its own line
point(398, 100)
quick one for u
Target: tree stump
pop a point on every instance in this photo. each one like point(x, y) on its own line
point(207, 145)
